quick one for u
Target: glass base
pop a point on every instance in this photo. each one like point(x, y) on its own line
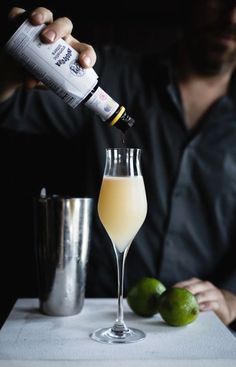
point(108, 336)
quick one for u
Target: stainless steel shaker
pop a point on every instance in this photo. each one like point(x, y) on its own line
point(62, 241)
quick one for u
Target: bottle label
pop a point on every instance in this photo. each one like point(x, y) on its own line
point(55, 64)
point(102, 104)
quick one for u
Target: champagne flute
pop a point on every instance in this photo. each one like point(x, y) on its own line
point(122, 208)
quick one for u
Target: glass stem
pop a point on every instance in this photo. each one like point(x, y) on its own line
point(119, 327)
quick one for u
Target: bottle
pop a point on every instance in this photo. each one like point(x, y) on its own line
point(56, 65)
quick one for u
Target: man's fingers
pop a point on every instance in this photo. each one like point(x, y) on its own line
point(87, 55)
point(187, 282)
point(195, 285)
point(209, 295)
point(38, 16)
point(209, 306)
point(60, 28)
point(14, 12)
point(41, 15)
point(200, 287)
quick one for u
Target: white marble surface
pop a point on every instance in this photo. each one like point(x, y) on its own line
point(29, 338)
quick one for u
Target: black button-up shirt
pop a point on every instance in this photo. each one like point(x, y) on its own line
point(190, 176)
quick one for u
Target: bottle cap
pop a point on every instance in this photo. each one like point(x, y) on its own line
point(124, 122)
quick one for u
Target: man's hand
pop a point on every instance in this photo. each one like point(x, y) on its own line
point(209, 297)
point(13, 76)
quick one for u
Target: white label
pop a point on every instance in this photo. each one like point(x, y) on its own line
point(55, 64)
point(102, 104)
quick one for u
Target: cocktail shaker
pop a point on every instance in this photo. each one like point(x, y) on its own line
point(62, 242)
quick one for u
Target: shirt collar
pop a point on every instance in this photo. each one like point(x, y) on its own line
point(226, 104)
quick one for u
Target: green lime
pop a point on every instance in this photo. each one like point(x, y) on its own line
point(178, 307)
point(143, 297)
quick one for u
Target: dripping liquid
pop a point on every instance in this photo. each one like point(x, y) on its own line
point(124, 139)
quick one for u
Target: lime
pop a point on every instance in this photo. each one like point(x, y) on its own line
point(143, 297)
point(178, 307)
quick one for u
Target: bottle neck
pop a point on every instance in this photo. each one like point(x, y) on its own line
point(101, 103)
point(107, 109)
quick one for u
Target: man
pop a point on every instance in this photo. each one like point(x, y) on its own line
point(186, 127)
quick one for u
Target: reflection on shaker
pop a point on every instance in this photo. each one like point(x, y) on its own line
point(62, 239)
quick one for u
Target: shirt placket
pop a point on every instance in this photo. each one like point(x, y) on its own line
point(174, 234)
